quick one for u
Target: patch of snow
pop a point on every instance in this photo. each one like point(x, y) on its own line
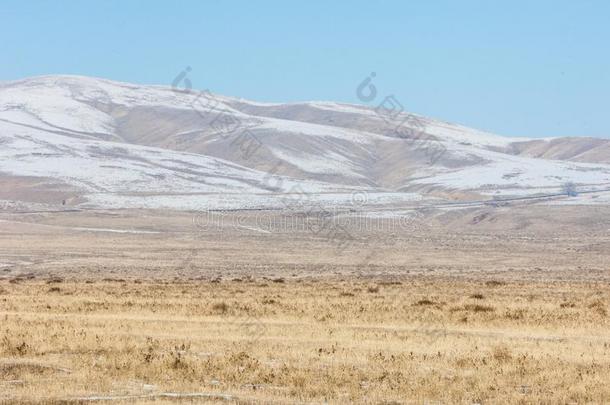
point(465, 135)
point(327, 163)
point(99, 166)
point(305, 128)
point(502, 171)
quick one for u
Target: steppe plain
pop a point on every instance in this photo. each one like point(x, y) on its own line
point(477, 305)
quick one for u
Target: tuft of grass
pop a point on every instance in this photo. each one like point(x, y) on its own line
point(494, 283)
point(18, 348)
point(514, 314)
point(598, 306)
point(388, 283)
point(501, 353)
point(478, 308)
point(220, 307)
point(424, 302)
point(269, 301)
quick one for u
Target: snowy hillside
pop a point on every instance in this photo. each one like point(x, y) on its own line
point(122, 145)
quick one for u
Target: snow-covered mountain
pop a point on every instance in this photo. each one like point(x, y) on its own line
point(111, 144)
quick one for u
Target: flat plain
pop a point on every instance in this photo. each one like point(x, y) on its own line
point(129, 307)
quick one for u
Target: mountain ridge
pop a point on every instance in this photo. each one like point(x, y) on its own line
point(323, 147)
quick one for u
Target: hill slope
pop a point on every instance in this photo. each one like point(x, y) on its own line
point(117, 144)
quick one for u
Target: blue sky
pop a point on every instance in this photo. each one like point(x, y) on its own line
point(522, 68)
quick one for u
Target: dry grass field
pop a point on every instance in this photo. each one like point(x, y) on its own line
point(401, 340)
point(127, 307)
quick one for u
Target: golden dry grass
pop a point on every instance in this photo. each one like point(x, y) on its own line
point(408, 340)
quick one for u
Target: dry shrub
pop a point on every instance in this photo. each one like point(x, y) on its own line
point(478, 308)
point(16, 370)
point(244, 361)
point(149, 355)
point(151, 350)
point(220, 307)
point(501, 353)
point(494, 283)
point(599, 307)
point(424, 301)
point(176, 359)
point(514, 314)
point(18, 348)
point(390, 283)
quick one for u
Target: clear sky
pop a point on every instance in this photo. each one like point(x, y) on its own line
point(522, 68)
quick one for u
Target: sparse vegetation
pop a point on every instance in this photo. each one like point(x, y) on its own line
point(316, 341)
point(478, 308)
point(501, 353)
point(425, 301)
point(599, 306)
point(220, 307)
point(494, 283)
point(373, 289)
